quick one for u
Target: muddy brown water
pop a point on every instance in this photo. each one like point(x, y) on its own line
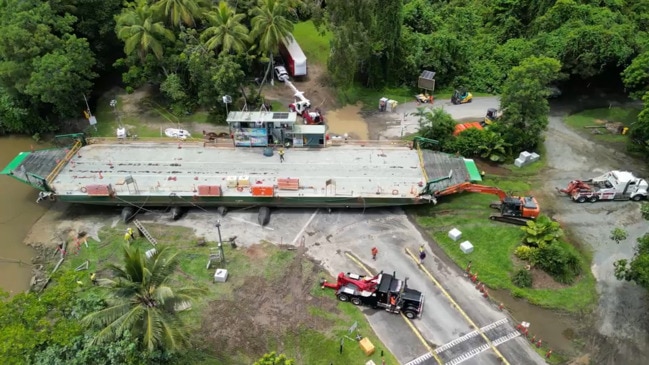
point(18, 212)
point(348, 120)
point(556, 330)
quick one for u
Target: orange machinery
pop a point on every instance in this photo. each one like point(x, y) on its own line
point(513, 209)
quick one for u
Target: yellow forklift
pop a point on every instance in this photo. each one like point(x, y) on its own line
point(461, 97)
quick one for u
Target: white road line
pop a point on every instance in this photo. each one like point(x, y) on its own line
point(469, 335)
point(469, 354)
point(297, 237)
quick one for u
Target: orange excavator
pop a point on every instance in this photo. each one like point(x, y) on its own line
point(513, 209)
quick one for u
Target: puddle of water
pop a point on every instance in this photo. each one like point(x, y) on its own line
point(18, 213)
point(557, 330)
point(348, 120)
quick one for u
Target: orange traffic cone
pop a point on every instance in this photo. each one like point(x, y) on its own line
point(486, 293)
point(548, 354)
point(538, 344)
point(100, 175)
point(501, 306)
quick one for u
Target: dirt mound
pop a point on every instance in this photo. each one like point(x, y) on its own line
point(264, 310)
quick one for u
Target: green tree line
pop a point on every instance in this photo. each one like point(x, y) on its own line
point(53, 52)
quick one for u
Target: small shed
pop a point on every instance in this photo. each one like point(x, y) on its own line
point(309, 135)
point(427, 81)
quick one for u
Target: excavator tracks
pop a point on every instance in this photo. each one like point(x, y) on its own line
point(511, 220)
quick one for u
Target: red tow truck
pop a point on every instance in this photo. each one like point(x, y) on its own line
point(378, 291)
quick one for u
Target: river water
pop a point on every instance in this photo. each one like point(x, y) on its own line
point(18, 212)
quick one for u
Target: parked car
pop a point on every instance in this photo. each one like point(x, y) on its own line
point(281, 73)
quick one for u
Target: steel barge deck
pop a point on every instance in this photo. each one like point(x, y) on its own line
point(165, 174)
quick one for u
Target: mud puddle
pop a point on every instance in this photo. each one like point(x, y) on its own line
point(556, 330)
point(348, 120)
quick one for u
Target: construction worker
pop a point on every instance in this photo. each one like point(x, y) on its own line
point(422, 256)
point(421, 248)
point(393, 303)
point(281, 154)
point(93, 278)
point(128, 236)
point(375, 251)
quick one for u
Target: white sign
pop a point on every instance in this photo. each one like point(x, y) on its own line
point(92, 120)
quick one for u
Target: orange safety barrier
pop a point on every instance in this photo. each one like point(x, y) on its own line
point(262, 191)
point(288, 184)
point(209, 190)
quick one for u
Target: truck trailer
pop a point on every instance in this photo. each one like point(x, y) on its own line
point(293, 56)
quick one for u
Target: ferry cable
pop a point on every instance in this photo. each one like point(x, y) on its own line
point(141, 207)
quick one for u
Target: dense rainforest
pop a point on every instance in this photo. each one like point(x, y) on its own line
point(54, 52)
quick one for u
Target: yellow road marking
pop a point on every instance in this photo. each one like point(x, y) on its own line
point(454, 303)
point(412, 326)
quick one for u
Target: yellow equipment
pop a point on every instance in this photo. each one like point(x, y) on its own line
point(461, 97)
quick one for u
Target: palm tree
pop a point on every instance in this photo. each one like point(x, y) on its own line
point(226, 30)
point(141, 33)
point(269, 27)
point(269, 24)
point(144, 301)
point(180, 11)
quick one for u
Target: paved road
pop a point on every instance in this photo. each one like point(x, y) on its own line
point(329, 236)
point(476, 109)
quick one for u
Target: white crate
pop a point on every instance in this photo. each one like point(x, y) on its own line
point(466, 247)
point(525, 156)
point(534, 157)
point(220, 275)
point(454, 234)
point(371, 362)
point(519, 162)
point(244, 181)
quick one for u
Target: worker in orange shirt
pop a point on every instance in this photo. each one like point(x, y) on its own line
point(375, 251)
point(393, 303)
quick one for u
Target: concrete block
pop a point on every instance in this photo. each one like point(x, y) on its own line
point(150, 253)
point(371, 362)
point(454, 234)
point(534, 157)
point(220, 276)
point(466, 247)
point(525, 156)
point(519, 162)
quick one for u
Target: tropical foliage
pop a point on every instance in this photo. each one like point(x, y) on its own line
point(144, 301)
point(636, 269)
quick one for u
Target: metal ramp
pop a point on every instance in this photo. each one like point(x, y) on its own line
point(470, 345)
point(144, 232)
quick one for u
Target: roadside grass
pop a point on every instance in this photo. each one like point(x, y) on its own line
point(494, 244)
point(581, 120)
point(308, 345)
point(315, 43)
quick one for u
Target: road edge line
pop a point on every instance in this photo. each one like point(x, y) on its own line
point(412, 326)
point(457, 306)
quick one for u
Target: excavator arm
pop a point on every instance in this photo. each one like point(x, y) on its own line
point(472, 188)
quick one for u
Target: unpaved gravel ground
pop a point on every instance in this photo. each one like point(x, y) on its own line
point(619, 327)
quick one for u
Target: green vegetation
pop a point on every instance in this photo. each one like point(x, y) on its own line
point(618, 235)
point(522, 279)
point(495, 244)
point(599, 117)
point(256, 275)
point(636, 269)
point(314, 42)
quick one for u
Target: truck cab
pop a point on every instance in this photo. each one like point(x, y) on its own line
point(410, 302)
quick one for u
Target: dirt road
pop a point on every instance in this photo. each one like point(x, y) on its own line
point(618, 332)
